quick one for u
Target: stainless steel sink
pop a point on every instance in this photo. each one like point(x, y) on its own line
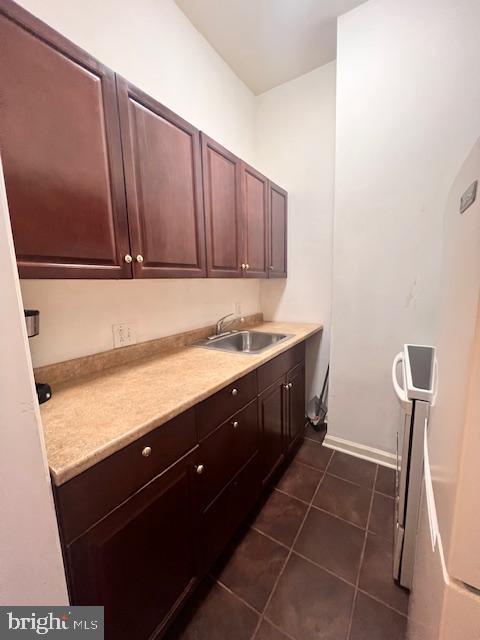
point(244, 341)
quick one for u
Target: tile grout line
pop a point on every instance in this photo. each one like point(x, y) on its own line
point(266, 535)
point(356, 484)
point(334, 475)
point(309, 466)
point(235, 595)
point(362, 556)
point(292, 496)
point(334, 515)
point(331, 475)
point(385, 604)
point(385, 495)
point(325, 569)
point(289, 553)
point(279, 629)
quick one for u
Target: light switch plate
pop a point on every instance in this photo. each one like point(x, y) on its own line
point(468, 197)
point(124, 334)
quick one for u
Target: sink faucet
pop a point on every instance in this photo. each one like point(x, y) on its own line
point(221, 325)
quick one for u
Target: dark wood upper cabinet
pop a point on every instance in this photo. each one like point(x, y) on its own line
point(223, 203)
point(277, 252)
point(61, 152)
point(255, 222)
point(103, 181)
point(163, 176)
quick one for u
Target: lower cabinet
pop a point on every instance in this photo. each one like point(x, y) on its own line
point(296, 404)
point(223, 516)
point(281, 408)
point(141, 527)
point(272, 420)
point(139, 561)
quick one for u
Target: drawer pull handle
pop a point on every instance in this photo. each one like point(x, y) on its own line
point(199, 468)
point(234, 392)
point(146, 452)
point(235, 424)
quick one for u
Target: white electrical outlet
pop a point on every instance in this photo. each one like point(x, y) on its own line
point(124, 334)
point(238, 309)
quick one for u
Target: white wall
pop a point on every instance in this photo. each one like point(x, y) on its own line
point(153, 44)
point(31, 567)
point(408, 111)
point(296, 148)
point(76, 317)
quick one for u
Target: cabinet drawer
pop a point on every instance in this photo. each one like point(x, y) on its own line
point(89, 496)
point(271, 371)
point(227, 512)
point(223, 404)
point(225, 451)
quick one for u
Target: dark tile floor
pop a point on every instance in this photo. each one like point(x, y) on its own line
point(314, 564)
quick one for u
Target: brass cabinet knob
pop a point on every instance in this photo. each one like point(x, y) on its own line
point(235, 424)
point(139, 258)
point(146, 451)
point(286, 387)
point(234, 392)
point(290, 385)
point(199, 468)
point(247, 266)
point(244, 265)
point(128, 258)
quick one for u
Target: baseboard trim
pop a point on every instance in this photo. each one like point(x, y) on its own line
point(378, 456)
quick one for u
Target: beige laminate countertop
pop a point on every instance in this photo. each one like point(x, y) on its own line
point(88, 419)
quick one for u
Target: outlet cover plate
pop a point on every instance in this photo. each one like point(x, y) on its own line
point(124, 334)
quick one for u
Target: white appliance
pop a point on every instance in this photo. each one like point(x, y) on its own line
point(445, 596)
point(415, 393)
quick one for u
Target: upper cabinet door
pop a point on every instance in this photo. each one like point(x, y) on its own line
point(255, 222)
point(222, 193)
point(164, 187)
point(277, 232)
point(61, 152)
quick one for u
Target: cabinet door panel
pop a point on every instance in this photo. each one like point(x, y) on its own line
point(255, 200)
point(61, 151)
point(164, 187)
point(139, 561)
point(222, 192)
point(277, 231)
point(296, 402)
point(272, 420)
point(226, 513)
point(226, 450)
